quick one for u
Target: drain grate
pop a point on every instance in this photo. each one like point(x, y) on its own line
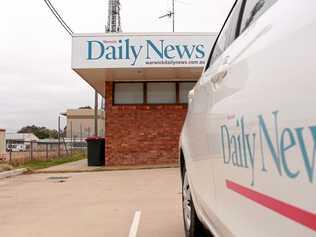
point(58, 179)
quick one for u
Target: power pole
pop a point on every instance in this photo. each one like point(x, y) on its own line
point(96, 108)
point(171, 14)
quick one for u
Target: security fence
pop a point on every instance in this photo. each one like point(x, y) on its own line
point(20, 153)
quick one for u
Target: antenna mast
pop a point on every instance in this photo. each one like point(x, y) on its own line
point(170, 14)
point(114, 16)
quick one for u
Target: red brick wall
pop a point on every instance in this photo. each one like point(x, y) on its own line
point(141, 134)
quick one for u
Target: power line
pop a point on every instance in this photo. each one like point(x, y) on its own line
point(58, 17)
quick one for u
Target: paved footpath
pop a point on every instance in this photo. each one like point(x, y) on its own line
point(97, 204)
point(82, 166)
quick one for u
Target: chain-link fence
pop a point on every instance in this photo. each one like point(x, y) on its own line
point(20, 153)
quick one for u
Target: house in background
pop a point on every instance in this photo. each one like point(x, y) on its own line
point(21, 138)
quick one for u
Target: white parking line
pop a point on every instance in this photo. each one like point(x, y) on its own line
point(134, 227)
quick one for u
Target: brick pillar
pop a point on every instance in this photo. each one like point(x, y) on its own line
point(107, 129)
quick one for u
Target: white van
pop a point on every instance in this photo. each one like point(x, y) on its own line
point(248, 145)
point(16, 147)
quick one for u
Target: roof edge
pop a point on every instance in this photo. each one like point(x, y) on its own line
point(146, 34)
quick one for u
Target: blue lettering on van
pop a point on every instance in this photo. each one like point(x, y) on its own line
point(124, 50)
point(239, 148)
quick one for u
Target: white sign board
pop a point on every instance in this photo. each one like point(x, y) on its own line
point(141, 50)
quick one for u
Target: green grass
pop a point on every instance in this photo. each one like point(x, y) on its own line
point(36, 165)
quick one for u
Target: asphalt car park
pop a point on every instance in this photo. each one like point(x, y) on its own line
point(112, 203)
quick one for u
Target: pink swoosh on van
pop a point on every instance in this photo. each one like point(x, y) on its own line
point(296, 214)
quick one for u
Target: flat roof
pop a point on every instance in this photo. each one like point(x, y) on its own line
point(144, 34)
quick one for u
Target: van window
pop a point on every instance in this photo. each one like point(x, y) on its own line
point(253, 10)
point(228, 33)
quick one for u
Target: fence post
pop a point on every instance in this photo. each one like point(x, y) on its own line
point(46, 151)
point(71, 138)
point(10, 157)
point(58, 136)
point(31, 150)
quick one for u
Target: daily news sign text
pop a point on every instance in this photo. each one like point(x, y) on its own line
point(139, 51)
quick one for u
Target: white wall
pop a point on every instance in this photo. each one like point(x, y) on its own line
point(2, 142)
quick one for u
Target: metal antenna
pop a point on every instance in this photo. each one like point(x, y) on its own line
point(114, 16)
point(169, 15)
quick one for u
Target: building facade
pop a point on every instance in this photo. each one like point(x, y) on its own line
point(142, 133)
point(145, 80)
point(3, 154)
point(80, 123)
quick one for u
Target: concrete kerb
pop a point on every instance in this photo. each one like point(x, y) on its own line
point(12, 173)
point(103, 169)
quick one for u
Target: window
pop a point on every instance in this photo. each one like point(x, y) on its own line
point(151, 93)
point(253, 10)
point(228, 33)
point(184, 89)
point(128, 93)
point(161, 93)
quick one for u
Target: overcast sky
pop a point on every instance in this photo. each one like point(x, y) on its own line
point(37, 82)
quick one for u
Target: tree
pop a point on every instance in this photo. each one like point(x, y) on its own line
point(40, 132)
